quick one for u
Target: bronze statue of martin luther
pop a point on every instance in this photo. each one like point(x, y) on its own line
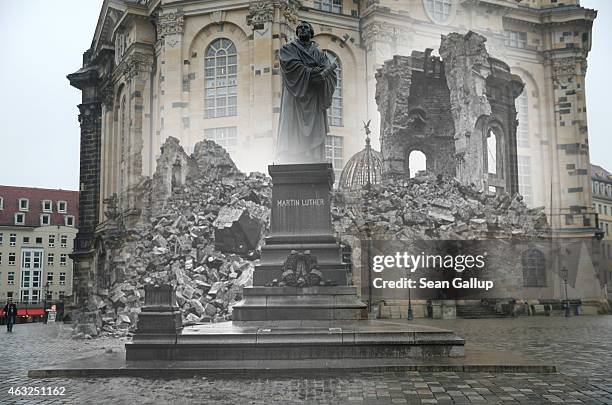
point(309, 81)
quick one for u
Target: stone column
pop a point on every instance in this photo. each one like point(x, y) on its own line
point(379, 39)
point(138, 67)
point(571, 175)
point(170, 28)
point(87, 80)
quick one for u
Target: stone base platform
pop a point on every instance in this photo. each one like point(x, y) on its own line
point(291, 303)
point(115, 365)
point(297, 340)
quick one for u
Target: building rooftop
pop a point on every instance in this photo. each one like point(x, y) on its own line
point(599, 173)
point(11, 196)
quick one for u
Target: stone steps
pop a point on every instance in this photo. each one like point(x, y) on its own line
point(297, 340)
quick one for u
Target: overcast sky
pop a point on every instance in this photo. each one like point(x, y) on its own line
point(44, 41)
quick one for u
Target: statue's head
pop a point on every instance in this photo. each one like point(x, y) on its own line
point(304, 31)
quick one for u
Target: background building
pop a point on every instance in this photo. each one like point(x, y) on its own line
point(37, 231)
point(602, 204)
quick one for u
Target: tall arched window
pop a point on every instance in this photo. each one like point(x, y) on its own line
point(221, 79)
point(534, 268)
point(492, 152)
point(334, 113)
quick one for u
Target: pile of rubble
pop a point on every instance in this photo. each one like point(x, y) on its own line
point(203, 233)
point(203, 239)
point(433, 207)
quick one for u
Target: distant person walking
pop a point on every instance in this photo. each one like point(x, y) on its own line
point(10, 312)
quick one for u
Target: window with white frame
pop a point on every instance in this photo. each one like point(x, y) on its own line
point(50, 259)
point(24, 204)
point(69, 220)
point(1, 203)
point(45, 219)
point(11, 259)
point(62, 294)
point(19, 218)
point(334, 112)
point(63, 260)
point(39, 240)
point(0, 258)
point(1, 238)
point(62, 207)
point(439, 10)
point(515, 39)
point(333, 153)
point(522, 111)
point(10, 278)
point(63, 241)
point(220, 79)
point(334, 6)
point(13, 239)
point(26, 240)
point(524, 179)
point(62, 278)
point(225, 136)
point(47, 206)
point(51, 241)
point(50, 277)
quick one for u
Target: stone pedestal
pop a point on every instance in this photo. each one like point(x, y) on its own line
point(160, 319)
point(310, 321)
point(300, 221)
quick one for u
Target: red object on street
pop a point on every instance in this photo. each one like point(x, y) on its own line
point(21, 312)
point(35, 311)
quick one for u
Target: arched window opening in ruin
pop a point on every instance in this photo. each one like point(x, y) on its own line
point(417, 162)
point(221, 79)
point(534, 268)
point(177, 174)
point(123, 142)
point(492, 152)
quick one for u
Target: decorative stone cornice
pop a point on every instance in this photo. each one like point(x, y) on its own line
point(108, 95)
point(564, 69)
point(171, 23)
point(378, 31)
point(262, 11)
point(90, 114)
point(137, 63)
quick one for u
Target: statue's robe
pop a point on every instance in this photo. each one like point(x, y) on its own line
point(309, 81)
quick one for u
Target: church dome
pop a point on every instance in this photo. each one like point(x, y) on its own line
point(363, 169)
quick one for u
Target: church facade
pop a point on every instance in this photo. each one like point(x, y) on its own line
point(209, 69)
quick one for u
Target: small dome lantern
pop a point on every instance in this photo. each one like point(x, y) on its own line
point(364, 168)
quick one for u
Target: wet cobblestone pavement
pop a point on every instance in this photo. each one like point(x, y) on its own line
point(581, 347)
